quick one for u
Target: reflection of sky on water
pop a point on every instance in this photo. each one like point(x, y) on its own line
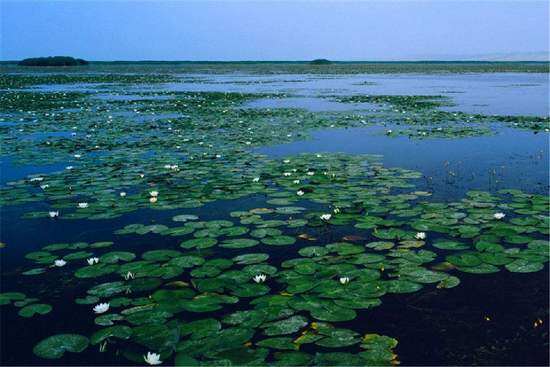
point(509, 159)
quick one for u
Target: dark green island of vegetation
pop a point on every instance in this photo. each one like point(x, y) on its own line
point(320, 62)
point(53, 61)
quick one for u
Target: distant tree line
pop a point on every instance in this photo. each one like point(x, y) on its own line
point(52, 61)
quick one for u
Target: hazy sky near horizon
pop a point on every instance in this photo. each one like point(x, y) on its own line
point(272, 30)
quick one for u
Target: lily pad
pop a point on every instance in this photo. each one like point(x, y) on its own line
point(55, 346)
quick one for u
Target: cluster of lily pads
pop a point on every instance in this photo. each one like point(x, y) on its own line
point(273, 284)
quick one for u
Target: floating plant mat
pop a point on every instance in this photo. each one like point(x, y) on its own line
point(271, 284)
point(333, 236)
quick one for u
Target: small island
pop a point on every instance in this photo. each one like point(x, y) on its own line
point(320, 62)
point(52, 61)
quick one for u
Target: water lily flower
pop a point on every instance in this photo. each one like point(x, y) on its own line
point(286, 161)
point(296, 181)
point(499, 215)
point(78, 155)
point(141, 175)
point(122, 194)
point(287, 174)
point(310, 173)
point(44, 187)
point(152, 358)
point(101, 308)
point(260, 278)
point(256, 179)
point(388, 132)
point(35, 179)
point(54, 214)
point(153, 199)
point(92, 260)
point(420, 236)
point(154, 193)
point(129, 275)
point(344, 280)
point(82, 205)
point(300, 193)
point(318, 155)
point(69, 167)
point(326, 217)
point(59, 263)
point(336, 210)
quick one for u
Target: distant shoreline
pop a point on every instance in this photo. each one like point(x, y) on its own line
point(291, 67)
point(6, 62)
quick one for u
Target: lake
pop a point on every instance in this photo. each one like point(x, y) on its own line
point(272, 215)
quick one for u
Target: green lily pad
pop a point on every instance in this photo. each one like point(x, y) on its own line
point(36, 308)
point(55, 346)
point(278, 240)
point(524, 266)
point(118, 331)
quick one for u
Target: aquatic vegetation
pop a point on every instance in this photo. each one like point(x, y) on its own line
point(301, 246)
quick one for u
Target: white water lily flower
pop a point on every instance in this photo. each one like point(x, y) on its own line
point(152, 358)
point(154, 193)
point(37, 179)
point(153, 199)
point(344, 280)
point(54, 214)
point(92, 260)
point(129, 275)
point(77, 155)
point(388, 132)
point(318, 155)
point(122, 194)
point(310, 173)
point(287, 174)
point(59, 263)
point(141, 175)
point(44, 187)
point(300, 193)
point(101, 308)
point(296, 181)
point(420, 236)
point(82, 205)
point(499, 215)
point(256, 179)
point(326, 217)
point(69, 167)
point(260, 278)
point(336, 210)
point(286, 161)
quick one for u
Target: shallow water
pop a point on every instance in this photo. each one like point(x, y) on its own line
point(493, 93)
point(450, 167)
point(488, 319)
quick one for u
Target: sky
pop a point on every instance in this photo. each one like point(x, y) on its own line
point(275, 30)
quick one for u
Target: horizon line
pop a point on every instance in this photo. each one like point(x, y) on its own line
point(294, 61)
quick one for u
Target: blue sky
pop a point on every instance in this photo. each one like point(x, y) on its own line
point(274, 30)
